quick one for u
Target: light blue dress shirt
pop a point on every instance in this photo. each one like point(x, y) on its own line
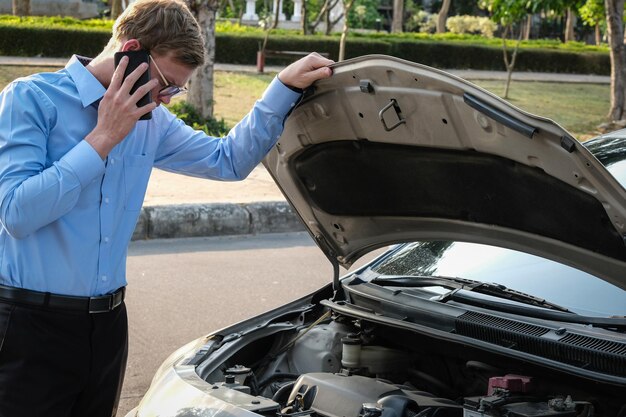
point(66, 215)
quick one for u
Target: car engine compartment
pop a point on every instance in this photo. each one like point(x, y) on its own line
point(339, 366)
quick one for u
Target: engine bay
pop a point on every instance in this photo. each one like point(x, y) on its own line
point(339, 366)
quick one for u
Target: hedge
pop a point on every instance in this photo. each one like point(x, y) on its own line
point(50, 42)
point(242, 48)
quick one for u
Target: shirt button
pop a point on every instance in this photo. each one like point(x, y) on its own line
point(112, 161)
point(104, 278)
point(106, 240)
point(106, 200)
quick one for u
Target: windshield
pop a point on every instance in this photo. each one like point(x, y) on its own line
point(578, 291)
point(611, 151)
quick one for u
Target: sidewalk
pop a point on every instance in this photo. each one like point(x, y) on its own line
point(181, 206)
point(468, 74)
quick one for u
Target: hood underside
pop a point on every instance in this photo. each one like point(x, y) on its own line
point(389, 151)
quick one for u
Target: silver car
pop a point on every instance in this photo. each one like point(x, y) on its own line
point(502, 293)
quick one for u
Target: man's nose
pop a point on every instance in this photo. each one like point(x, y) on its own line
point(165, 99)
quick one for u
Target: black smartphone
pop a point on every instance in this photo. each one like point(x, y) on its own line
point(135, 58)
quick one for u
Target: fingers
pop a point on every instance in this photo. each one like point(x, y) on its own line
point(118, 74)
point(306, 71)
point(118, 82)
point(146, 109)
point(320, 73)
point(318, 60)
point(132, 78)
point(120, 87)
point(143, 90)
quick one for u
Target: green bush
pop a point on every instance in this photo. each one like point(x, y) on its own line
point(57, 21)
point(449, 56)
point(50, 42)
point(191, 117)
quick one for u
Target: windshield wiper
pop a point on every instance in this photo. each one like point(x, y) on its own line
point(495, 290)
point(551, 311)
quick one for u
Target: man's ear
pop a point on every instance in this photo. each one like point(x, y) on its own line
point(131, 45)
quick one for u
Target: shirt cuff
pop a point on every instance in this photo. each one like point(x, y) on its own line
point(280, 98)
point(85, 162)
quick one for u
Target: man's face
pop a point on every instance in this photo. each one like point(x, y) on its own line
point(172, 77)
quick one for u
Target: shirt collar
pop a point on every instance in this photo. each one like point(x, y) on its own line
point(89, 88)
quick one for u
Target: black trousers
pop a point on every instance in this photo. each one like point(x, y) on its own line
point(61, 363)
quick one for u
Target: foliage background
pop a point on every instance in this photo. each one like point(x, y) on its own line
point(62, 37)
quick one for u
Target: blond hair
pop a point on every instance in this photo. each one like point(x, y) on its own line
point(161, 26)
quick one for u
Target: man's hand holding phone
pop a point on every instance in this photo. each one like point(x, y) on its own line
point(119, 109)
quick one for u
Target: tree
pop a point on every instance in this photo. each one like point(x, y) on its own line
point(528, 25)
point(570, 23)
point(116, 8)
point(347, 5)
point(200, 94)
point(364, 14)
point(593, 14)
point(509, 14)
point(304, 23)
point(567, 8)
point(323, 14)
point(398, 16)
point(21, 7)
point(615, 32)
point(443, 15)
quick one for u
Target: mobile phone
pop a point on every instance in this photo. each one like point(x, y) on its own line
point(135, 58)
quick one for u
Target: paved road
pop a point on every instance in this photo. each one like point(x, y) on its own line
point(181, 289)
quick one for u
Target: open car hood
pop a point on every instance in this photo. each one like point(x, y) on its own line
point(388, 151)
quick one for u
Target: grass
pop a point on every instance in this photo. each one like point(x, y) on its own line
point(235, 93)
point(579, 108)
point(11, 72)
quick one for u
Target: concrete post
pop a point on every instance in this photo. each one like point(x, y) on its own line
point(297, 11)
point(250, 11)
point(281, 14)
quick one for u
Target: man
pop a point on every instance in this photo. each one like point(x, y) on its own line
point(74, 167)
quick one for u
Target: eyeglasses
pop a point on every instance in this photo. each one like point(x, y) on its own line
point(170, 90)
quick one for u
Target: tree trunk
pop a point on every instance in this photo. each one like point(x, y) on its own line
point(615, 31)
point(327, 21)
point(598, 35)
point(344, 33)
point(304, 25)
point(398, 16)
point(200, 94)
point(528, 27)
point(273, 26)
point(570, 23)
point(21, 7)
point(320, 15)
point(509, 64)
point(443, 16)
point(116, 8)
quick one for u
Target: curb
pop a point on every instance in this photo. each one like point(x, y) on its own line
point(216, 219)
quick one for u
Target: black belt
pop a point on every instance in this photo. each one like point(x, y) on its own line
point(101, 304)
